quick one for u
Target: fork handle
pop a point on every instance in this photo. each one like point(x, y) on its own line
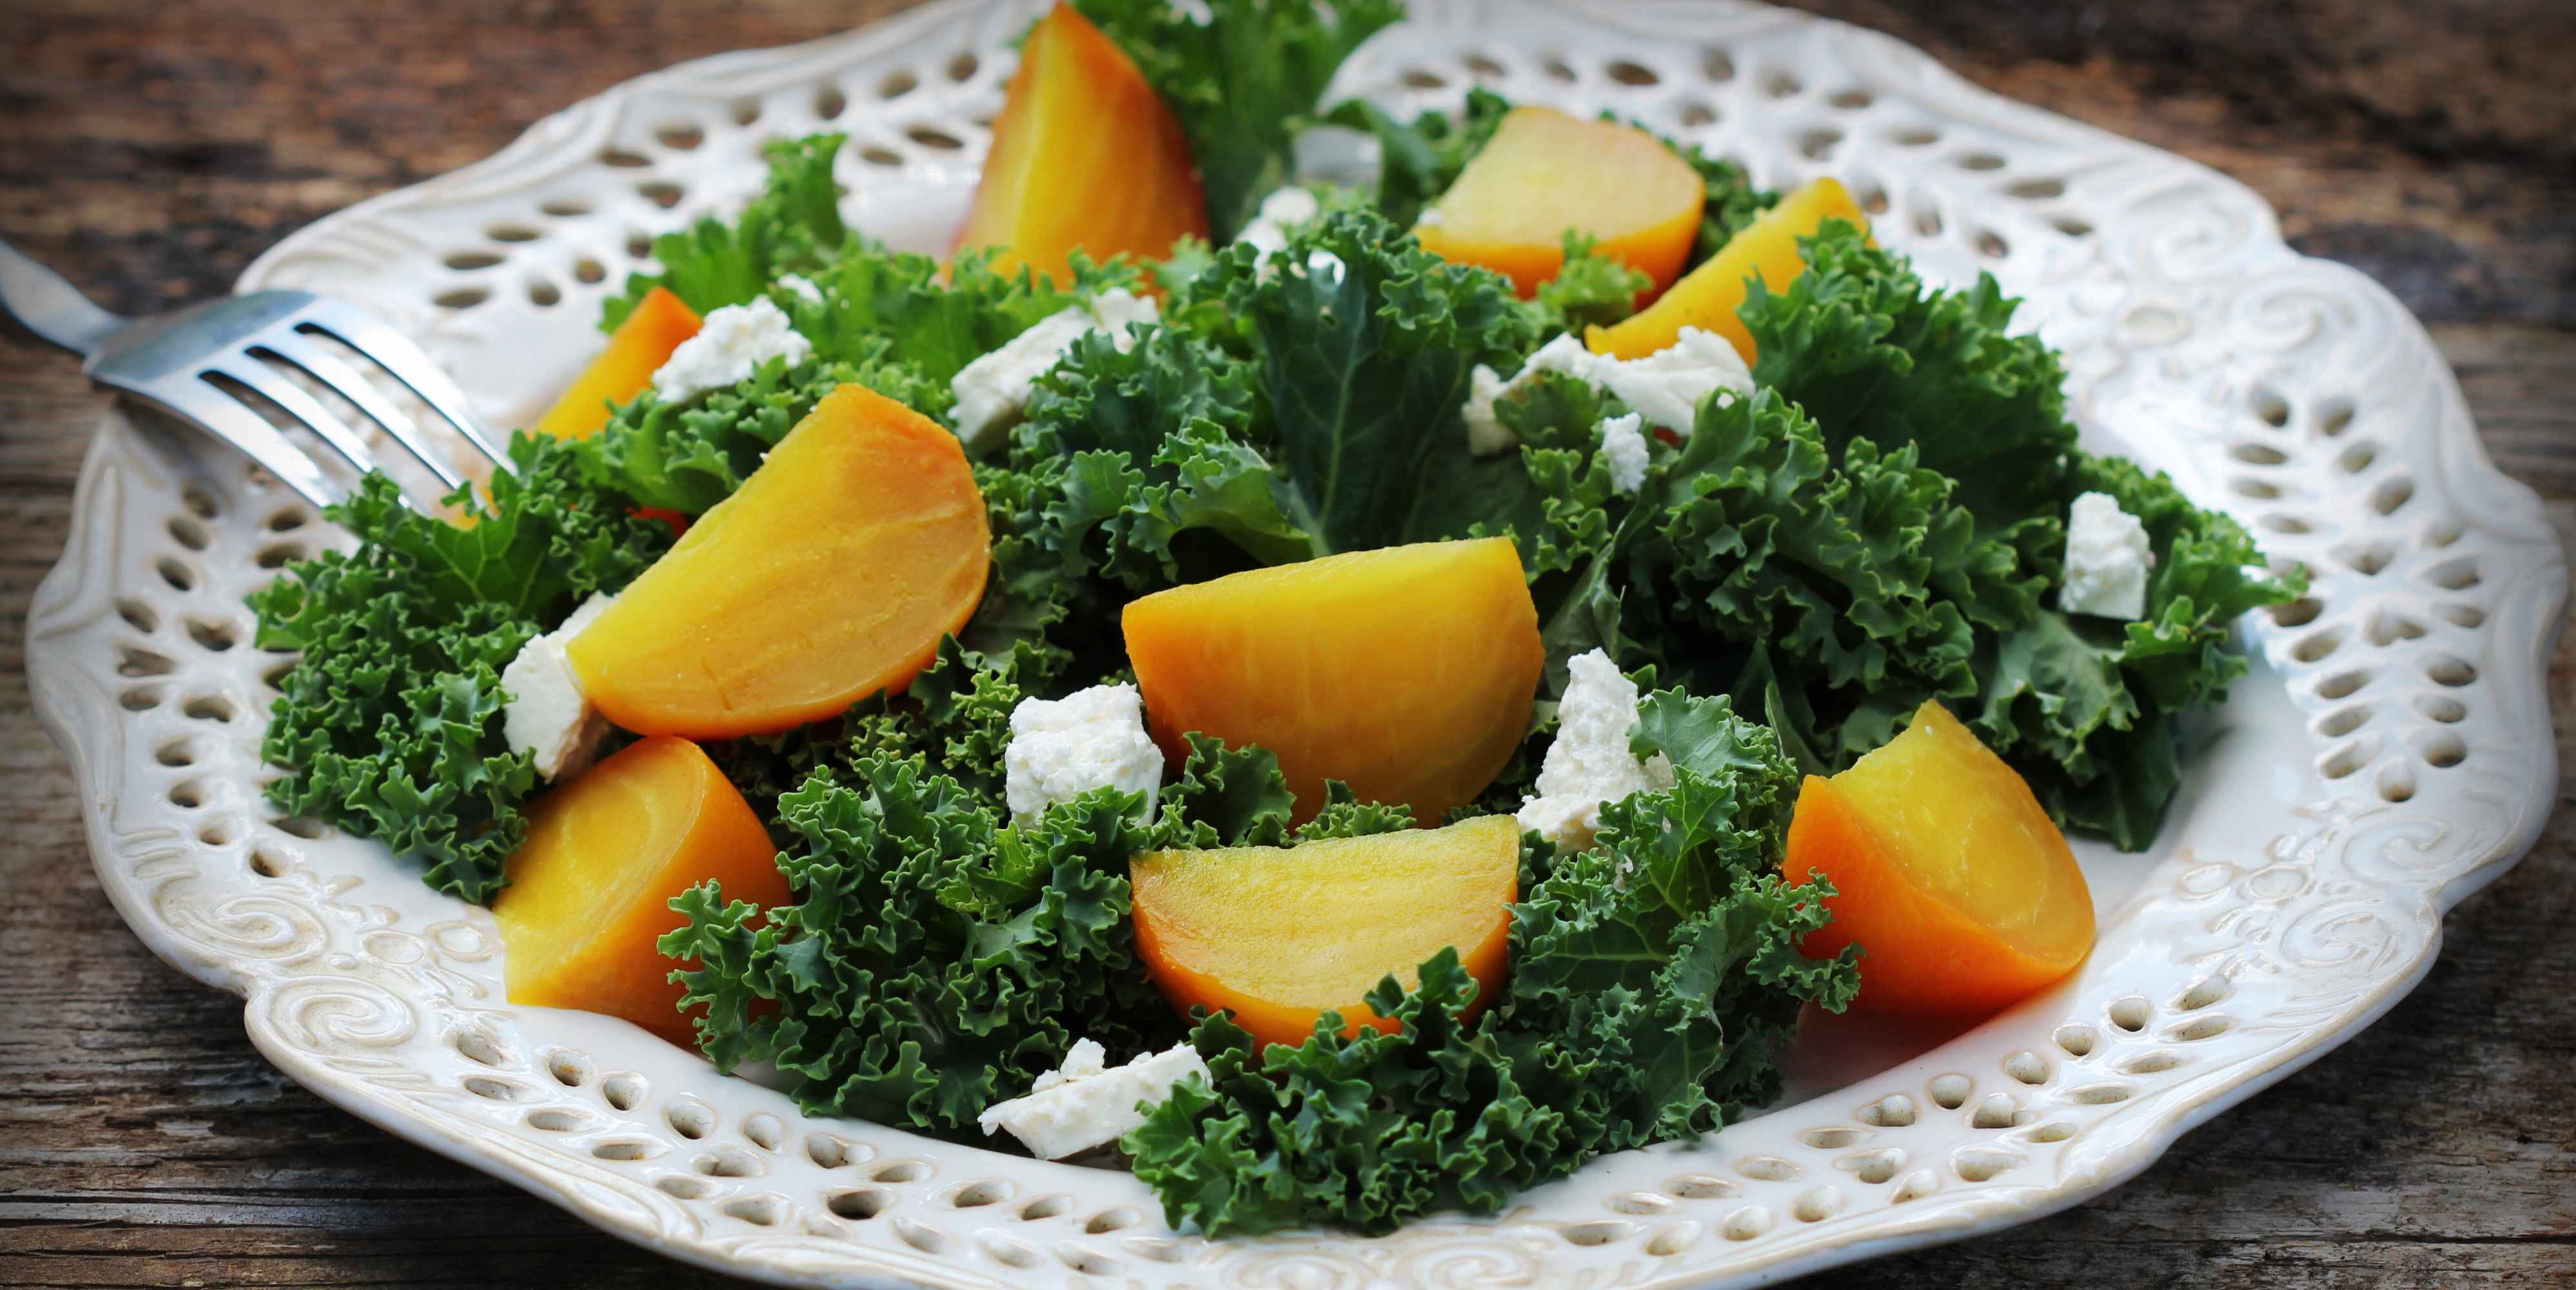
point(53, 308)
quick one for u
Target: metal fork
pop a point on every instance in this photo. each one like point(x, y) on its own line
point(181, 362)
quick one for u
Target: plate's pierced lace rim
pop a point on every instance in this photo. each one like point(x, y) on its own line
point(2398, 700)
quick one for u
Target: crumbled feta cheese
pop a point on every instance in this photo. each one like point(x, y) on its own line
point(1086, 1104)
point(1431, 217)
point(1063, 748)
point(994, 390)
point(1623, 450)
point(1664, 387)
point(547, 715)
point(2106, 560)
point(802, 286)
point(730, 345)
point(1280, 212)
point(1589, 763)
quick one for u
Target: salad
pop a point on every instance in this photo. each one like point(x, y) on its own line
point(1355, 698)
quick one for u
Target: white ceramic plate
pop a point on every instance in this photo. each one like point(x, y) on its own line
point(2389, 753)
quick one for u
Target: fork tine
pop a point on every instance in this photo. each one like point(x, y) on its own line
point(287, 395)
point(397, 354)
point(294, 347)
point(232, 421)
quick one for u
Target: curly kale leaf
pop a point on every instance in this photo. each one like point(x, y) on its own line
point(1654, 981)
point(1288, 409)
point(933, 318)
point(936, 961)
point(1363, 345)
point(389, 725)
point(1871, 352)
point(1243, 81)
point(688, 456)
point(792, 226)
point(1590, 290)
point(879, 995)
point(2084, 707)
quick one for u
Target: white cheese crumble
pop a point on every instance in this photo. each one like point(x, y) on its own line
point(1063, 748)
point(1086, 1104)
point(1623, 450)
point(547, 716)
point(1589, 764)
point(802, 286)
point(2107, 559)
point(1664, 387)
point(730, 345)
point(994, 390)
point(1280, 213)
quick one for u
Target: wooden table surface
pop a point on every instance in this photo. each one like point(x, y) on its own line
point(149, 148)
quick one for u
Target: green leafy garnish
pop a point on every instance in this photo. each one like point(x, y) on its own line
point(792, 226)
point(390, 723)
point(1243, 81)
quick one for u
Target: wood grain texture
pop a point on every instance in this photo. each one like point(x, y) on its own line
point(150, 149)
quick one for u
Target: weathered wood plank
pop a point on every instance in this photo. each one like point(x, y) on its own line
point(152, 149)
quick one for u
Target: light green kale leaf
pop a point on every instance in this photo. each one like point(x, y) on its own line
point(792, 226)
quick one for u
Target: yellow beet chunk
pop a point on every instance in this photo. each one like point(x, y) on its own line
point(1280, 935)
point(636, 350)
point(590, 890)
point(1085, 157)
point(1406, 672)
point(828, 577)
point(1709, 297)
point(1961, 892)
point(1545, 173)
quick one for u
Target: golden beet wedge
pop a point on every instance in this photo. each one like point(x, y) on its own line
point(1960, 890)
point(636, 350)
point(1406, 673)
point(590, 890)
point(1085, 157)
point(1280, 935)
point(828, 577)
point(1545, 173)
point(1767, 248)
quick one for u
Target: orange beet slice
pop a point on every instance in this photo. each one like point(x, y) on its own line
point(590, 890)
point(1280, 935)
point(636, 350)
point(828, 577)
point(1959, 889)
point(1708, 299)
point(1545, 173)
point(1406, 672)
point(1085, 157)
